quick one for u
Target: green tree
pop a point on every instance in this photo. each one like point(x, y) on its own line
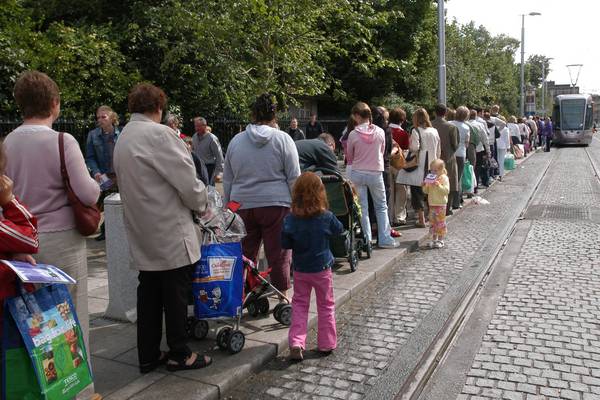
point(480, 67)
point(16, 38)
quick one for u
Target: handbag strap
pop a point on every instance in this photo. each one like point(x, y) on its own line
point(61, 151)
point(420, 138)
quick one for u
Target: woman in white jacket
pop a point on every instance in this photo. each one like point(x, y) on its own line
point(423, 139)
point(503, 144)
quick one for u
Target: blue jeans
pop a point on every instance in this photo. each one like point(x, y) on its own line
point(368, 182)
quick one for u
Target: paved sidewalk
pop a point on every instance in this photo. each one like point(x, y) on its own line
point(113, 343)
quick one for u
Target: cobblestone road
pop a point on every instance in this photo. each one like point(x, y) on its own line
point(394, 319)
point(543, 341)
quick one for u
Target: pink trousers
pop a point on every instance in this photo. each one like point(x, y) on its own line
point(322, 282)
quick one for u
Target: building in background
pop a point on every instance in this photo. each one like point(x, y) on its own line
point(561, 88)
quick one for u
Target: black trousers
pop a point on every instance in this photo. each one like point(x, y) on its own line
point(158, 292)
point(548, 143)
point(210, 169)
point(494, 151)
point(457, 195)
point(482, 171)
point(417, 198)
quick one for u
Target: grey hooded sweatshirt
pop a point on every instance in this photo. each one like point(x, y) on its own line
point(261, 166)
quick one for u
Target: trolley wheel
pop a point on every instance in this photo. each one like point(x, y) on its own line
point(277, 310)
point(236, 342)
point(223, 338)
point(285, 314)
point(353, 260)
point(263, 306)
point(200, 329)
point(252, 308)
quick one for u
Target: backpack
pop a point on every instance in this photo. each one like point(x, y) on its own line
point(474, 135)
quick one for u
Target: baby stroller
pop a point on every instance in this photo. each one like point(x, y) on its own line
point(258, 290)
point(351, 244)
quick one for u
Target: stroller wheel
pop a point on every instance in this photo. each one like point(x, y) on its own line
point(353, 260)
point(252, 308)
point(236, 342)
point(368, 249)
point(263, 306)
point(200, 329)
point(223, 338)
point(277, 310)
point(285, 314)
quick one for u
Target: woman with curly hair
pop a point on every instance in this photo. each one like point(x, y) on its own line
point(261, 167)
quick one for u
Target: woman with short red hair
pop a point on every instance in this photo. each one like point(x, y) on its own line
point(34, 166)
point(160, 194)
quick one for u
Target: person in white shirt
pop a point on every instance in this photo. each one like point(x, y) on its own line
point(494, 124)
point(513, 128)
point(482, 150)
point(503, 144)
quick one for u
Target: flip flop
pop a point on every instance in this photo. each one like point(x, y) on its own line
point(200, 362)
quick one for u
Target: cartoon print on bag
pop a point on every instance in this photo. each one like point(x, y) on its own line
point(216, 297)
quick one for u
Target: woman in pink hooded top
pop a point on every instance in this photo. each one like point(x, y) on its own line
point(364, 151)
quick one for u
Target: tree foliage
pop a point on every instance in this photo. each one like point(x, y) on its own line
point(481, 70)
point(212, 57)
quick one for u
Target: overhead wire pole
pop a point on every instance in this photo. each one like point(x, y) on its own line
point(544, 84)
point(441, 52)
point(522, 91)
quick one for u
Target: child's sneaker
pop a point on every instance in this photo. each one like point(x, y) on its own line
point(439, 244)
point(296, 354)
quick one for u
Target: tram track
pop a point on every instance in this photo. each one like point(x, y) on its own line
point(439, 348)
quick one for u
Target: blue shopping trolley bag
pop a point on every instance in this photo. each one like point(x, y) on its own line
point(218, 281)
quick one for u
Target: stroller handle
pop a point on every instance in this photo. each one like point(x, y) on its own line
point(328, 171)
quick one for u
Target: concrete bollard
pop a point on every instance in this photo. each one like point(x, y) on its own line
point(122, 280)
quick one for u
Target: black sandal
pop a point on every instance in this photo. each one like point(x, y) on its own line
point(149, 367)
point(201, 361)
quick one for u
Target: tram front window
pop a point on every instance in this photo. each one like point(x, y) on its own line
point(572, 114)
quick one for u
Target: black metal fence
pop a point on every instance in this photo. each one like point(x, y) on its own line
point(224, 128)
point(79, 129)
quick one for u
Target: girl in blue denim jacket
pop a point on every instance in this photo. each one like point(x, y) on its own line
point(307, 231)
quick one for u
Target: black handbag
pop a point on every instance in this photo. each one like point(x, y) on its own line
point(412, 159)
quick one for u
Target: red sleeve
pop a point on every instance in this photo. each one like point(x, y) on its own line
point(18, 230)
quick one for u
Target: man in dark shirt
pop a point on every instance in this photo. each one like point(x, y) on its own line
point(317, 153)
point(313, 128)
point(295, 132)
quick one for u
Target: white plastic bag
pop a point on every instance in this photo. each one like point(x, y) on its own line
point(218, 224)
point(480, 200)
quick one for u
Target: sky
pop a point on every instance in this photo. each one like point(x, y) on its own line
point(565, 32)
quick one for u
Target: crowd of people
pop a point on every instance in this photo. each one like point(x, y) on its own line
point(162, 177)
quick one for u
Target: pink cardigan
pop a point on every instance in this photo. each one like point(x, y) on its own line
point(34, 167)
point(365, 148)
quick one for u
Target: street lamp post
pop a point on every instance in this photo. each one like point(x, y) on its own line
point(544, 84)
point(522, 104)
point(441, 52)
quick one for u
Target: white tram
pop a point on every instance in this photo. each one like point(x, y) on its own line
point(573, 119)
